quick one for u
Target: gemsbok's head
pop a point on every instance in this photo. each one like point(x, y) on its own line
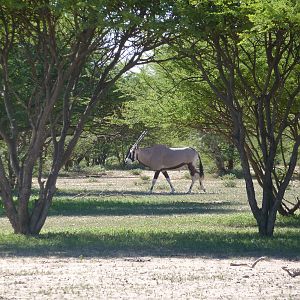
point(131, 154)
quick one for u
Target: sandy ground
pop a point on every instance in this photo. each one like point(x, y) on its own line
point(146, 278)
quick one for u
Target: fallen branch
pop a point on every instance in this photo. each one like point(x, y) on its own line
point(137, 259)
point(248, 265)
point(292, 272)
point(258, 260)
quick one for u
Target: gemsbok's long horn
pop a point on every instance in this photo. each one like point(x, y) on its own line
point(141, 137)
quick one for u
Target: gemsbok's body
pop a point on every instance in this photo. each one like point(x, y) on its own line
point(161, 158)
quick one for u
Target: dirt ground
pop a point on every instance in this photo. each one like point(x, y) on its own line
point(131, 277)
point(146, 278)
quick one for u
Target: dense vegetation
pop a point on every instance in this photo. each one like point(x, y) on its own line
point(222, 76)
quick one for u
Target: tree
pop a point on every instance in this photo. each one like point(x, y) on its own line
point(59, 60)
point(248, 53)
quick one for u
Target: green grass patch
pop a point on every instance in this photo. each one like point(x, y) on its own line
point(110, 223)
point(106, 242)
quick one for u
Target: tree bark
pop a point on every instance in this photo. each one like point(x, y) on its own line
point(266, 222)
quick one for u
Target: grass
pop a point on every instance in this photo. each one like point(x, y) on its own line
point(112, 222)
point(196, 236)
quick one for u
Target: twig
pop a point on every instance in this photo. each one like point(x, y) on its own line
point(258, 260)
point(292, 273)
point(239, 264)
point(248, 265)
point(137, 259)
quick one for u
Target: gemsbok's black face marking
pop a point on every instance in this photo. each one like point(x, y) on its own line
point(130, 156)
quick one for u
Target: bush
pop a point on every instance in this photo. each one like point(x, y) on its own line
point(145, 177)
point(229, 180)
point(136, 171)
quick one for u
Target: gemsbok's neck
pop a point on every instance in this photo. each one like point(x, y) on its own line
point(141, 156)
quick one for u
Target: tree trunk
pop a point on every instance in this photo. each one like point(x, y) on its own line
point(266, 223)
point(230, 165)
point(28, 223)
point(220, 164)
point(230, 162)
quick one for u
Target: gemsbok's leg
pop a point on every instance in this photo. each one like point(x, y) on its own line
point(194, 175)
point(169, 181)
point(154, 180)
point(201, 184)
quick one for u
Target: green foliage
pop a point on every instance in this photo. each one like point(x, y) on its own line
point(230, 16)
point(157, 106)
point(277, 14)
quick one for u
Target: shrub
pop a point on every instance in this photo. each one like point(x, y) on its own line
point(145, 177)
point(229, 180)
point(136, 171)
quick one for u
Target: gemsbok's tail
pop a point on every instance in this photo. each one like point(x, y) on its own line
point(201, 172)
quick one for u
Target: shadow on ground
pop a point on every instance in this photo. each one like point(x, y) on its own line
point(91, 207)
point(133, 243)
point(110, 203)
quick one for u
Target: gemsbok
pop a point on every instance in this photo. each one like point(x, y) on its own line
point(160, 158)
